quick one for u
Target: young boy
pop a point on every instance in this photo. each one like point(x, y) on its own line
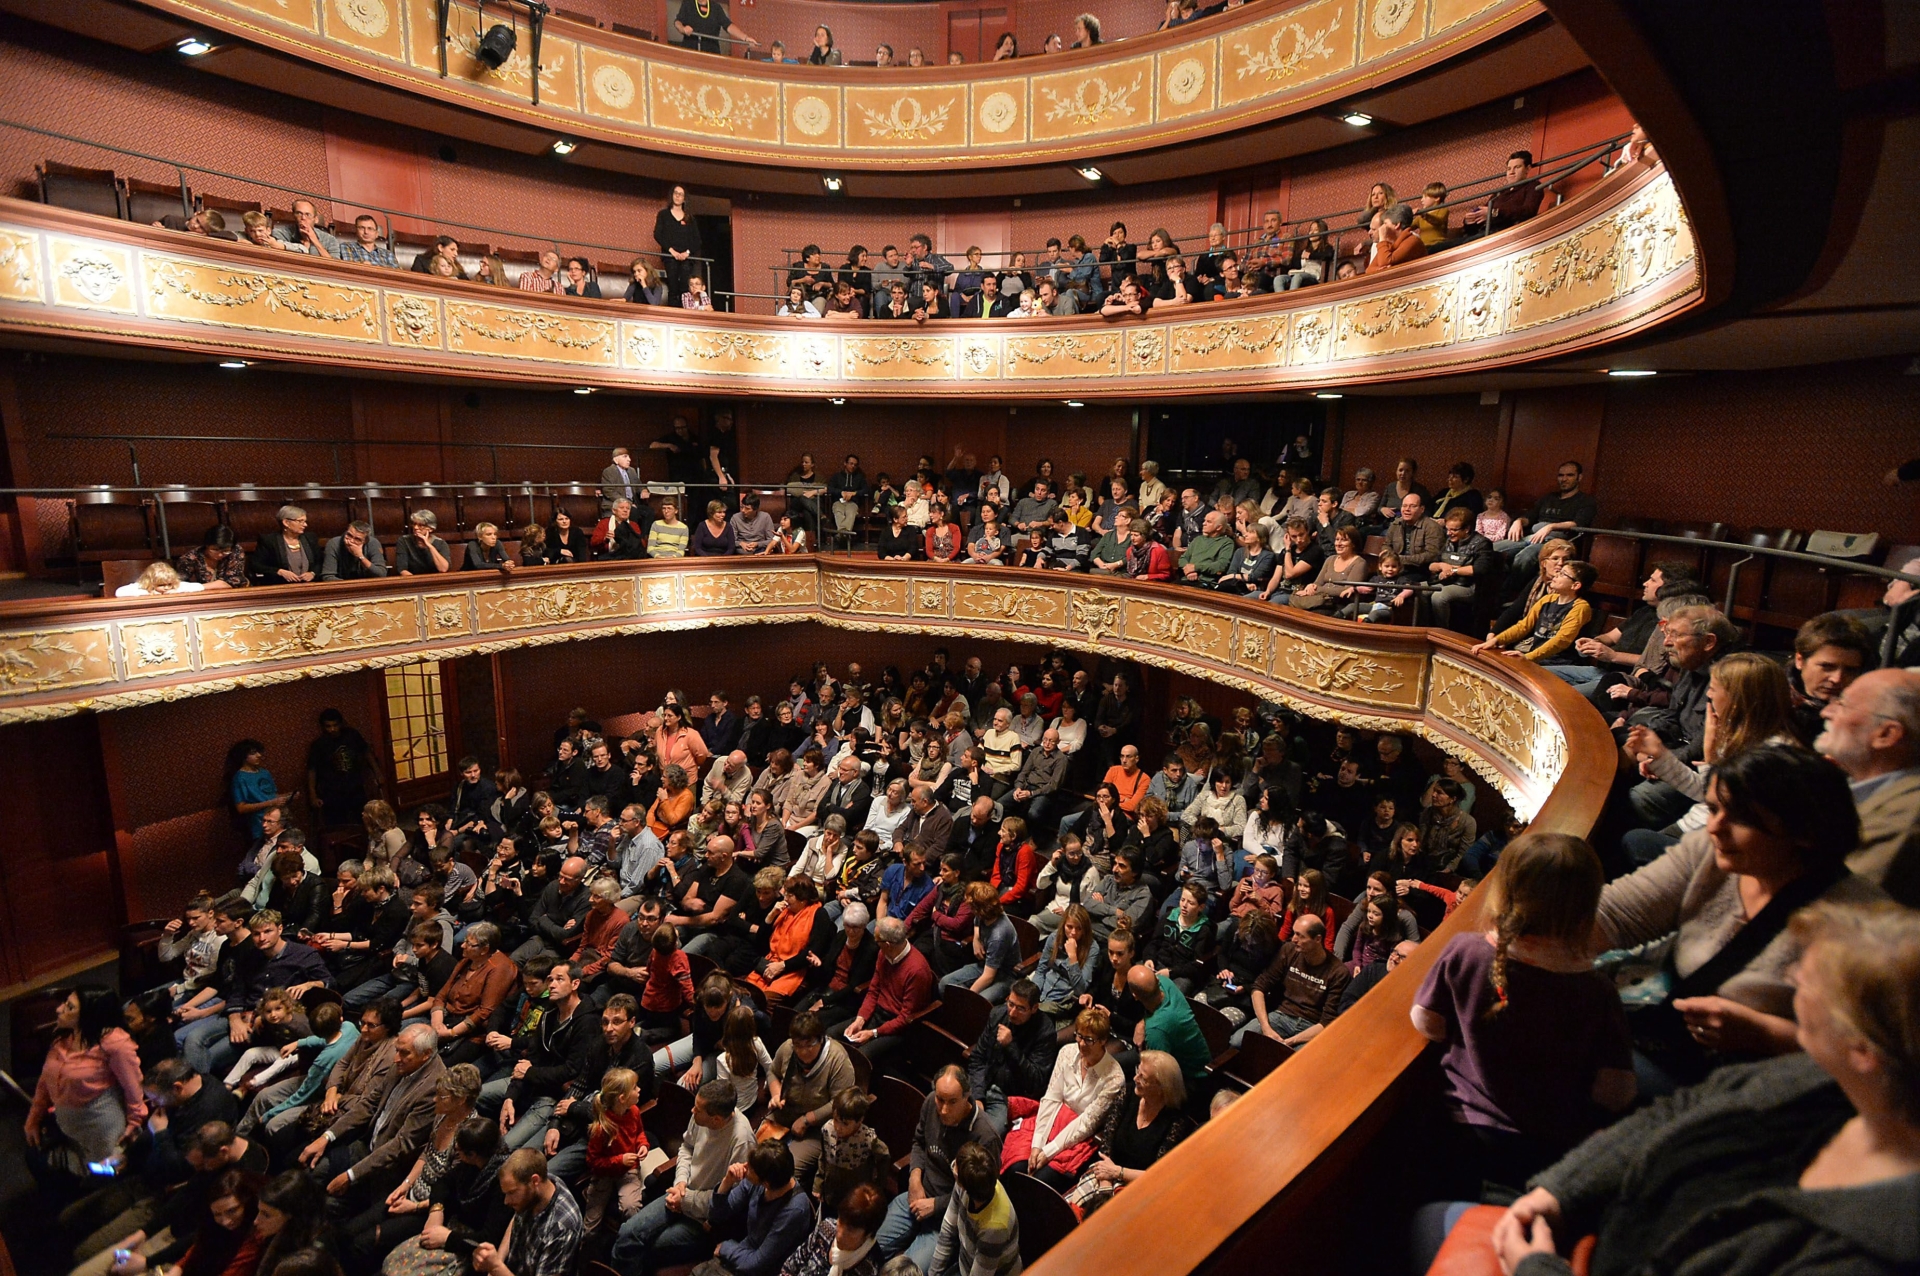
point(851, 1152)
point(1377, 600)
point(1548, 629)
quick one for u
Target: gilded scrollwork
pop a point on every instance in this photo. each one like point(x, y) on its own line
point(55, 660)
point(1043, 350)
point(1353, 674)
point(1411, 312)
point(1093, 102)
point(1010, 604)
point(234, 290)
point(1095, 614)
point(713, 106)
point(715, 347)
point(1196, 633)
point(19, 266)
point(1291, 49)
point(749, 589)
point(294, 632)
point(528, 330)
point(879, 352)
point(1484, 710)
point(905, 120)
point(864, 595)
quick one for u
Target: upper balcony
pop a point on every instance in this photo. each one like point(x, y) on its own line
point(1274, 74)
point(1614, 260)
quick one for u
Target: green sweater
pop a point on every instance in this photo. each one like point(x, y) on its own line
point(1210, 556)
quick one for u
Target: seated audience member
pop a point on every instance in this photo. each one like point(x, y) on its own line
point(760, 1206)
point(305, 234)
point(485, 552)
point(1829, 651)
point(1811, 1153)
point(578, 280)
point(668, 537)
point(289, 556)
point(1299, 563)
point(421, 552)
point(1536, 1041)
point(1695, 637)
point(1176, 289)
point(1055, 302)
point(980, 1233)
point(206, 221)
point(1554, 555)
point(1780, 827)
point(1013, 1057)
point(902, 989)
point(1545, 635)
point(843, 1245)
point(544, 277)
point(354, 554)
point(1516, 202)
point(696, 297)
point(1307, 981)
point(950, 1119)
point(217, 563)
point(156, 580)
point(1314, 262)
point(1207, 557)
point(1415, 539)
point(752, 528)
point(1392, 245)
point(1429, 219)
point(647, 286)
point(567, 542)
point(1873, 734)
point(1555, 515)
point(1140, 1128)
point(1332, 586)
point(1464, 568)
point(1127, 299)
point(1494, 520)
point(676, 1227)
point(713, 538)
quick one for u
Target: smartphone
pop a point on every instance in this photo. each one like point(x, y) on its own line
point(120, 1257)
point(105, 1169)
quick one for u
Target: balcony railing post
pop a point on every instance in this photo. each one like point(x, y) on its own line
point(166, 542)
point(133, 454)
point(1733, 581)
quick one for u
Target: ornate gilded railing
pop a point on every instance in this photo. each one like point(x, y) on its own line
point(1615, 260)
point(66, 657)
point(1222, 74)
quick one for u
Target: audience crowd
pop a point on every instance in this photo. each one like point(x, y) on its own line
point(690, 995)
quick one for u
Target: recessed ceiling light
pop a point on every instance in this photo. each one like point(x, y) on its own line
point(1359, 119)
point(583, 389)
point(1075, 403)
point(837, 402)
point(564, 146)
point(1092, 174)
point(1632, 372)
point(1329, 394)
point(832, 182)
point(233, 363)
point(193, 46)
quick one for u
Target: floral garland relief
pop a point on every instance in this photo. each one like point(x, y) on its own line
point(1273, 65)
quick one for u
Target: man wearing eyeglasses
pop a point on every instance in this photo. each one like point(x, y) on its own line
point(1873, 734)
point(1553, 515)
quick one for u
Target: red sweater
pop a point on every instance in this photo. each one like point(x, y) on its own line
point(1026, 867)
point(1326, 915)
point(598, 934)
point(900, 989)
point(669, 983)
point(604, 1151)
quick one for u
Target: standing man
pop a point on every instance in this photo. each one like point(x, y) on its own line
point(338, 763)
point(619, 480)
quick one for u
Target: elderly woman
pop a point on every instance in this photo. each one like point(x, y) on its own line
point(1780, 824)
point(90, 1086)
point(290, 556)
point(402, 1213)
point(1139, 1130)
point(421, 552)
point(1808, 1163)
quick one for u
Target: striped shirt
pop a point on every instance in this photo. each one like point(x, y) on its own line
point(667, 540)
point(986, 1243)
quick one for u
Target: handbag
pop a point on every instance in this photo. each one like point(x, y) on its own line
point(1014, 1152)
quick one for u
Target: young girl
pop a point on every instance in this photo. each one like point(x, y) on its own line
point(1262, 891)
point(1378, 932)
point(1536, 1041)
point(1245, 953)
point(1494, 520)
point(744, 1061)
point(668, 996)
point(1309, 896)
point(1376, 601)
point(616, 1149)
point(277, 1022)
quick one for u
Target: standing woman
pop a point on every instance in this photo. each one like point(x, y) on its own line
point(824, 54)
point(90, 1085)
point(678, 235)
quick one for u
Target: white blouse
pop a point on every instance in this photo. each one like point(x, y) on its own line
point(1088, 1091)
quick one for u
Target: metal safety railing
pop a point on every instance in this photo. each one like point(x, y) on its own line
point(1553, 170)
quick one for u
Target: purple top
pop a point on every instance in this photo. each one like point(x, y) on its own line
point(1530, 1069)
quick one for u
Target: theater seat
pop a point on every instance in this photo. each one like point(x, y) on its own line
point(1750, 586)
point(580, 500)
point(1469, 1247)
point(188, 516)
point(84, 190)
point(482, 504)
point(108, 524)
point(148, 202)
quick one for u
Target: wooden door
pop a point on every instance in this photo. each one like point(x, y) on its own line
point(972, 33)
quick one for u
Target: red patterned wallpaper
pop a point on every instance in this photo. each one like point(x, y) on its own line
point(1435, 430)
point(56, 858)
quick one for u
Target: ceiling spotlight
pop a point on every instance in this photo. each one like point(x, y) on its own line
point(564, 146)
point(1359, 119)
point(837, 402)
point(496, 46)
point(1092, 174)
point(193, 46)
point(1075, 403)
point(1328, 394)
point(832, 182)
point(583, 389)
point(233, 363)
point(1632, 372)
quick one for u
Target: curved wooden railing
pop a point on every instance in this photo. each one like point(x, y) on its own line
point(1241, 1194)
point(1613, 261)
point(1265, 62)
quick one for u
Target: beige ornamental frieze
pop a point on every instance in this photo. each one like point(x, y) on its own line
point(1617, 260)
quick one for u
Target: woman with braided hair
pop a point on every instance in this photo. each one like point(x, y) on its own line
point(1536, 1041)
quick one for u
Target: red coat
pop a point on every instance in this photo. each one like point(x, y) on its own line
point(1026, 868)
point(604, 1151)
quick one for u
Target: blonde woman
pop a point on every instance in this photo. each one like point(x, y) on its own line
point(385, 839)
point(158, 579)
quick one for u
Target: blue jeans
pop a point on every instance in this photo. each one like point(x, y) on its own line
point(569, 1163)
point(657, 1237)
point(1285, 1025)
point(204, 1044)
point(901, 1233)
point(705, 945)
point(1582, 678)
point(670, 1060)
point(373, 990)
point(1431, 1224)
point(994, 1104)
point(995, 993)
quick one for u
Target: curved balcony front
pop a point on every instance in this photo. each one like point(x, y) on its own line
point(1223, 74)
point(1615, 260)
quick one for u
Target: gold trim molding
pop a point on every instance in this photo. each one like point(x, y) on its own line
point(1269, 60)
point(1618, 259)
point(58, 659)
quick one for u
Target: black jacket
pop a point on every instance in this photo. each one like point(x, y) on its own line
point(636, 1057)
point(575, 540)
point(1022, 1068)
point(475, 802)
point(269, 558)
point(557, 1050)
point(852, 805)
point(1183, 954)
point(558, 918)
